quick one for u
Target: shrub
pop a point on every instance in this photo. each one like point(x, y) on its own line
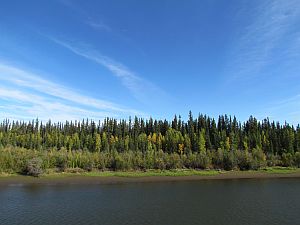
point(244, 160)
point(297, 159)
point(61, 163)
point(287, 159)
point(159, 164)
point(190, 160)
point(159, 161)
point(119, 163)
point(272, 160)
point(88, 166)
point(173, 161)
point(200, 160)
point(258, 159)
point(138, 162)
point(100, 160)
point(218, 158)
point(34, 167)
point(149, 160)
point(203, 160)
point(230, 161)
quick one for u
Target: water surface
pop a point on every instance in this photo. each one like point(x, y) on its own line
point(207, 202)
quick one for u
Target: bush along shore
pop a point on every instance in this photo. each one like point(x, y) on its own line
point(33, 148)
point(35, 163)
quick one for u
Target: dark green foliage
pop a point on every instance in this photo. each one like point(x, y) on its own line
point(34, 163)
point(201, 142)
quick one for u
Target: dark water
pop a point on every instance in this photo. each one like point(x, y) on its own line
point(232, 202)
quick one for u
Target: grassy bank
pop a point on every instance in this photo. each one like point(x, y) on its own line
point(153, 173)
point(164, 173)
point(281, 170)
point(18, 162)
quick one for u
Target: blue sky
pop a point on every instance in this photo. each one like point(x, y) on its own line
point(65, 59)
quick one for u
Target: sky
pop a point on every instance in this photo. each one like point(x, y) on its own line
point(69, 60)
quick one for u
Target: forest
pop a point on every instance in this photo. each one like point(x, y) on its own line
point(201, 142)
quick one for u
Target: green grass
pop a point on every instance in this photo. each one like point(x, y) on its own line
point(4, 175)
point(281, 170)
point(154, 173)
point(149, 173)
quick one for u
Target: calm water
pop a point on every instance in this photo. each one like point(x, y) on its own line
point(232, 202)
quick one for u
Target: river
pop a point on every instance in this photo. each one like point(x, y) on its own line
point(207, 202)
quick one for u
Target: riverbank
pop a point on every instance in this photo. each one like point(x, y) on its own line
point(110, 177)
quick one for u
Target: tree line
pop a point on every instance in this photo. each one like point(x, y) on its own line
point(199, 142)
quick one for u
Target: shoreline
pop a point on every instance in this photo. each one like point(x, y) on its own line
point(110, 177)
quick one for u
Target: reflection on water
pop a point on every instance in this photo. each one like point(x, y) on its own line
point(269, 201)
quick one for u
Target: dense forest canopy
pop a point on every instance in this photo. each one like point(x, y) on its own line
point(223, 143)
point(197, 134)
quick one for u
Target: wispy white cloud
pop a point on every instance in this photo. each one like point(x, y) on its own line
point(37, 105)
point(266, 52)
point(28, 95)
point(288, 109)
point(91, 21)
point(98, 25)
point(274, 22)
point(139, 87)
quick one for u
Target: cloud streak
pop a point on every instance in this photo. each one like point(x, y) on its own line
point(264, 55)
point(43, 107)
point(273, 22)
point(32, 96)
point(289, 107)
point(139, 87)
point(99, 25)
point(96, 24)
